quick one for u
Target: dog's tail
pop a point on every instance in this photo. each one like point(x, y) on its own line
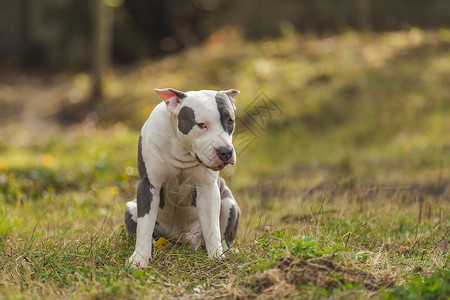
point(131, 217)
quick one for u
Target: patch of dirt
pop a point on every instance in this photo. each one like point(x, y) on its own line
point(291, 273)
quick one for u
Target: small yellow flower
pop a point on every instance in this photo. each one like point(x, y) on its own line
point(161, 243)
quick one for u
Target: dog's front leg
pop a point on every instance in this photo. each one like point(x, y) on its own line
point(208, 206)
point(147, 209)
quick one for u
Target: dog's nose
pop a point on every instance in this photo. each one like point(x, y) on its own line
point(224, 153)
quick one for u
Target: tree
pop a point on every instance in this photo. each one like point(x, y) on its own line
point(101, 48)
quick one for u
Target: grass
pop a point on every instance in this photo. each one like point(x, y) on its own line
point(343, 183)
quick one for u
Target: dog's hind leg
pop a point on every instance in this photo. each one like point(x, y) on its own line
point(229, 215)
point(131, 217)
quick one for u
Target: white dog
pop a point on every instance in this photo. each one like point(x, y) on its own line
point(183, 145)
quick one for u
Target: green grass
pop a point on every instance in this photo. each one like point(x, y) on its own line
point(436, 286)
point(347, 179)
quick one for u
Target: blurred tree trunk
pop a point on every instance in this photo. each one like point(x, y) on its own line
point(101, 48)
point(363, 10)
point(25, 33)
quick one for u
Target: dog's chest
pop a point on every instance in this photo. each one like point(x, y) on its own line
point(178, 198)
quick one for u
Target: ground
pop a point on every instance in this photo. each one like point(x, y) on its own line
point(342, 173)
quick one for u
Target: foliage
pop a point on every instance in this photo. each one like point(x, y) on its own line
point(276, 246)
point(350, 166)
point(435, 286)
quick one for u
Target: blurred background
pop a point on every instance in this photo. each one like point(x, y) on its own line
point(346, 91)
point(342, 135)
point(56, 34)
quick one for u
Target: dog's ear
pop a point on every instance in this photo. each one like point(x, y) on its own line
point(171, 97)
point(231, 94)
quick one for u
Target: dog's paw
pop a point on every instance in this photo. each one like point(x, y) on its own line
point(138, 260)
point(232, 251)
point(217, 255)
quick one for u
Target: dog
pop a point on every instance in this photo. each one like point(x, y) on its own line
point(183, 145)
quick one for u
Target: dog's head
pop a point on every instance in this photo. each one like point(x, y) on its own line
point(207, 120)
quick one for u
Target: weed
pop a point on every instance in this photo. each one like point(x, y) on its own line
point(277, 245)
point(435, 286)
point(6, 224)
point(273, 243)
point(351, 168)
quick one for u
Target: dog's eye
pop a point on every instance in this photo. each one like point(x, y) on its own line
point(230, 121)
point(202, 125)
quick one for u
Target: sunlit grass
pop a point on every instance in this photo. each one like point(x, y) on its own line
point(353, 168)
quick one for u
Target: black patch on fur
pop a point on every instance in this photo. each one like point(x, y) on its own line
point(186, 119)
point(161, 198)
point(226, 112)
point(194, 196)
point(130, 223)
point(144, 195)
point(233, 218)
point(232, 234)
point(229, 230)
point(141, 164)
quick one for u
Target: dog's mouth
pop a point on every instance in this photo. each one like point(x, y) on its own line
point(214, 168)
point(220, 167)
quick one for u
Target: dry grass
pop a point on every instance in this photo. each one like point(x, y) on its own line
point(355, 193)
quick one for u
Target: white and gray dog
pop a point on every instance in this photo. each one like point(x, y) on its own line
point(183, 145)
